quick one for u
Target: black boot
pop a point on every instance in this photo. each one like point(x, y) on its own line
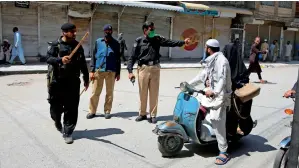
point(141, 118)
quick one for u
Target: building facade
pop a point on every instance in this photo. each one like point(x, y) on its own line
point(270, 21)
point(39, 22)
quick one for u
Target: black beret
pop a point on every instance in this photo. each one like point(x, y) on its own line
point(107, 27)
point(68, 26)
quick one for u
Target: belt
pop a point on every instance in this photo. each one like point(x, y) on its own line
point(150, 63)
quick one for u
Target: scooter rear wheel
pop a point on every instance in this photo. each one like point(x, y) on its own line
point(170, 145)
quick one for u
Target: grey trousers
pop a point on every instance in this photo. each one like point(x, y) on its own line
point(219, 127)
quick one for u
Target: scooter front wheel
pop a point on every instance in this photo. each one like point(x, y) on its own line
point(170, 145)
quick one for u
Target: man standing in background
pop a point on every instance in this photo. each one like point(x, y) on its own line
point(17, 48)
point(265, 47)
point(288, 51)
point(274, 50)
point(123, 47)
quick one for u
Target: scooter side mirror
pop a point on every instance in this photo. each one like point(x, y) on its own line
point(183, 86)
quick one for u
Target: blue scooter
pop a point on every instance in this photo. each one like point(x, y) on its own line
point(281, 158)
point(189, 124)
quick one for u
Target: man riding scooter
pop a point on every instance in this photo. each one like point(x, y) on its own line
point(217, 79)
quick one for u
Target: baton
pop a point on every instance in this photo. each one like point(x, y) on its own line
point(78, 45)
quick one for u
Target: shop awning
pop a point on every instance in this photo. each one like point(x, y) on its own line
point(216, 8)
point(142, 5)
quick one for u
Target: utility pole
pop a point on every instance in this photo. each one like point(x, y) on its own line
point(294, 148)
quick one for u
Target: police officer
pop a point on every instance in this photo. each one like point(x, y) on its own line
point(64, 80)
point(146, 52)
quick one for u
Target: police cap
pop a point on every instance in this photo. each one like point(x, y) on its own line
point(147, 24)
point(67, 26)
point(107, 27)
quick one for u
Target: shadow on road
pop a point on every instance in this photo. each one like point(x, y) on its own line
point(96, 134)
point(126, 115)
point(252, 143)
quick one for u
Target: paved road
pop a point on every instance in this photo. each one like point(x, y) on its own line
point(28, 138)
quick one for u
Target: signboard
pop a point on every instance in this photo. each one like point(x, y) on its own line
point(199, 12)
point(22, 4)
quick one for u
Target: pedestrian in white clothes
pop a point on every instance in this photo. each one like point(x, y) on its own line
point(288, 51)
point(17, 49)
point(217, 78)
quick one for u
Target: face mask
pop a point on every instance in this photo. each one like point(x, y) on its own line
point(151, 34)
point(108, 35)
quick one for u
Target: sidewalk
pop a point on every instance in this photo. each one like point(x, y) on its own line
point(42, 67)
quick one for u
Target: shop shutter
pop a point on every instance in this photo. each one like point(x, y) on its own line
point(26, 20)
point(188, 26)
point(52, 18)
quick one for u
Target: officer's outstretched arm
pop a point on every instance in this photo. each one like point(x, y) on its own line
point(52, 55)
point(133, 57)
point(170, 43)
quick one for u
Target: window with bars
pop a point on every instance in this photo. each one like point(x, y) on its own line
point(267, 3)
point(285, 4)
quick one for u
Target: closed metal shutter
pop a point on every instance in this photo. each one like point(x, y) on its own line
point(52, 18)
point(264, 33)
point(289, 36)
point(26, 20)
point(222, 33)
point(131, 27)
point(250, 35)
point(185, 26)
point(162, 25)
point(99, 20)
point(82, 26)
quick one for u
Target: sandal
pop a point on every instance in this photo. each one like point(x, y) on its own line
point(222, 159)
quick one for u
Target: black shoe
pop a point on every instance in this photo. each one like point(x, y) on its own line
point(125, 63)
point(68, 139)
point(141, 118)
point(107, 116)
point(58, 126)
point(153, 120)
point(90, 116)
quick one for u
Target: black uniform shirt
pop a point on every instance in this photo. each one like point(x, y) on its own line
point(58, 49)
point(147, 49)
